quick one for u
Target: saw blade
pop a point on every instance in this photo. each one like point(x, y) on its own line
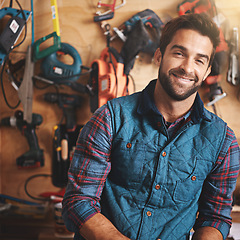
point(25, 91)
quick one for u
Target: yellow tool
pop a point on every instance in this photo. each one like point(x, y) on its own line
point(55, 18)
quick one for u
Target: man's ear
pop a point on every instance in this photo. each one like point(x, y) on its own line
point(157, 57)
point(207, 72)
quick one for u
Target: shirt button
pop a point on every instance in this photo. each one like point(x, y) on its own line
point(164, 154)
point(149, 213)
point(129, 145)
point(193, 178)
point(157, 187)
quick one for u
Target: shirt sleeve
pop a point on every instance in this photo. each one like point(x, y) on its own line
point(216, 200)
point(88, 170)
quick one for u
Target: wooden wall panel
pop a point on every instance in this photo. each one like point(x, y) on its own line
point(78, 29)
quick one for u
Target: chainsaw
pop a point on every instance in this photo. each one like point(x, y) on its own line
point(107, 78)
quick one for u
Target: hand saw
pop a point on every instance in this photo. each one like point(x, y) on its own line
point(37, 54)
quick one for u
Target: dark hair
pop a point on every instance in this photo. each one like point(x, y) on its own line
point(198, 22)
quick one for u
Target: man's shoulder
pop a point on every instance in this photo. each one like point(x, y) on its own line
point(213, 117)
point(129, 100)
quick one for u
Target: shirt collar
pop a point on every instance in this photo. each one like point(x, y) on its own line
point(147, 105)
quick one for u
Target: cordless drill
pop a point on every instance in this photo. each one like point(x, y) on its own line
point(68, 103)
point(34, 157)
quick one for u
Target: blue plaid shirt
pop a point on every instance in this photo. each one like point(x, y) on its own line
point(93, 151)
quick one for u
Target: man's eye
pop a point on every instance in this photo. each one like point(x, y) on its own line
point(200, 61)
point(178, 53)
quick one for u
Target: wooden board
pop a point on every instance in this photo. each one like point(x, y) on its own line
point(78, 29)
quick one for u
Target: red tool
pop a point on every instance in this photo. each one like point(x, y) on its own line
point(108, 14)
point(107, 79)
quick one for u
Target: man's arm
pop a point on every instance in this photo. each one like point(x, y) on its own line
point(215, 204)
point(88, 172)
point(207, 233)
point(100, 228)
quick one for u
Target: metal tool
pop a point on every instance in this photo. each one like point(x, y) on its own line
point(64, 144)
point(68, 103)
point(109, 14)
point(233, 69)
point(25, 91)
point(34, 157)
point(39, 54)
point(56, 70)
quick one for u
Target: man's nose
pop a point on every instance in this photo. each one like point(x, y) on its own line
point(187, 65)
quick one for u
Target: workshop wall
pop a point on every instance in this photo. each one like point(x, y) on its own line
point(79, 30)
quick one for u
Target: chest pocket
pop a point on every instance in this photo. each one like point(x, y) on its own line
point(127, 161)
point(189, 188)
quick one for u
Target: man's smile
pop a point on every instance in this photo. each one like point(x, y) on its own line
point(183, 77)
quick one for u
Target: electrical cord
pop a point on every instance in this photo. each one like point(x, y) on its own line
point(3, 90)
point(29, 179)
point(7, 57)
point(133, 81)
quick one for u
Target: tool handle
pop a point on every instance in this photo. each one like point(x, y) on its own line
point(37, 54)
point(14, 12)
point(54, 69)
point(103, 17)
point(55, 18)
point(31, 159)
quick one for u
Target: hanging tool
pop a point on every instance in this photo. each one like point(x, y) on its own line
point(64, 143)
point(109, 14)
point(52, 67)
point(140, 33)
point(149, 19)
point(25, 91)
point(107, 78)
point(39, 54)
point(68, 103)
point(34, 157)
point(233, 69)
point(58, 71)
point(12, 30)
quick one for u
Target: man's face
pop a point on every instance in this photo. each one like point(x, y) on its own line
point(185, 64)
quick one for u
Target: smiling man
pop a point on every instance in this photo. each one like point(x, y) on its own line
point(155, 164)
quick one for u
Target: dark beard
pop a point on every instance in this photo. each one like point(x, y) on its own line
point(169, 89)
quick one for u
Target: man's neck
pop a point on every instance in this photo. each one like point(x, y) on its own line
point(169, 108)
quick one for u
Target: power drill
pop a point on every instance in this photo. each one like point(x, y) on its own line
point(68, 103)
point(34, 157)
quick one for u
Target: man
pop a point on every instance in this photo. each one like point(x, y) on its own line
point(155, 164)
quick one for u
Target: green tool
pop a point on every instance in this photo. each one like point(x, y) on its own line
point(37, 54)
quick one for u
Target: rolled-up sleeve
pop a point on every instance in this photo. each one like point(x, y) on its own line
point(216, 200)
point(88, 171)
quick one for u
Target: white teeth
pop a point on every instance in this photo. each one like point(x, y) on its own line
point(186, 79)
